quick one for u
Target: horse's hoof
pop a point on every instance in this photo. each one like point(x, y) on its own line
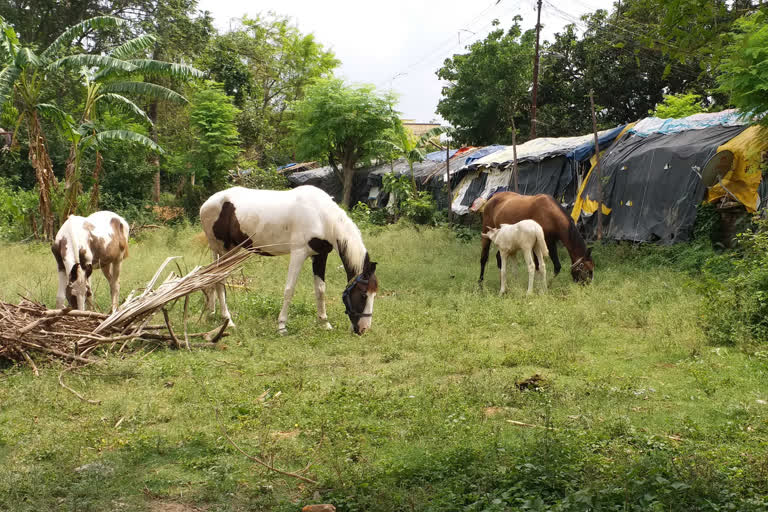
point(230, 324)
point(282, 331)
point(327, 326)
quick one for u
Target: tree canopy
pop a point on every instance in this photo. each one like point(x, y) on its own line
point(338, 122)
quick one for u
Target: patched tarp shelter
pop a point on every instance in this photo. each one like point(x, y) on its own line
point(325, 178)
point(652, 176)
point(547, 165)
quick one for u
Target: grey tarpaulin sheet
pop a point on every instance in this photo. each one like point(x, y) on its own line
point(652, 184)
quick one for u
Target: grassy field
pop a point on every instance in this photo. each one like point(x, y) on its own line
point(636, 410)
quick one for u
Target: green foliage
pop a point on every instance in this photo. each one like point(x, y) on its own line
point(250, 175)
point(744, 70)
point(488, 86)
point(363, 215)
point(417, 206)
point(676, 106)
point(17, 211)
point(736, 289)
point(215, 148)
point(265, 64)
point(338, 122)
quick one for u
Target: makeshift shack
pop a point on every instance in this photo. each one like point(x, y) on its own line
point(652, 176)
point(547, 165)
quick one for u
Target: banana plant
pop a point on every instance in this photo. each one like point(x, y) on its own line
point(107, 88)
point(403, 144)
point(110, 78)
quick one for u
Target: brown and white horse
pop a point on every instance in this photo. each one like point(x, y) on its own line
point(303, 222)
point(82, 244)
point(509, 208)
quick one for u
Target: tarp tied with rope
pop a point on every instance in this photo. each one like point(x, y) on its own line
point(652, 183)
point(547, 165)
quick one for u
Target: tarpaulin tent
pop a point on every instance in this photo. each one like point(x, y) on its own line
point(326, 179)
point(742, 182)
point(547, 165)
point(652, 181)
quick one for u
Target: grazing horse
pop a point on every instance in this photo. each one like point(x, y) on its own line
point(302, 222)
point(509, 208)
point(82, 244)
point(527, 237)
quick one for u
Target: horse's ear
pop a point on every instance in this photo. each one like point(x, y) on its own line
point(486, 235)
point(369, 268)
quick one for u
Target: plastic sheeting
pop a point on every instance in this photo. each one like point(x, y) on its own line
point(439, 156)
point(325, 179)
point(651, 125)
point(483, 152)
point(545, 147)
point(550, 176)
point(652, 184)
point(743, 180)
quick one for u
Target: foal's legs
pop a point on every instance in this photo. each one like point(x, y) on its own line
point(294, 268)
point(542, 271)
point(503, 276)
point(531, 268)
point(318, 269)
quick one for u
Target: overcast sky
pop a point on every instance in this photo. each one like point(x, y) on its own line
point(399, 44)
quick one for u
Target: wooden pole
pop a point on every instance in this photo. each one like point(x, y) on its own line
point(535, 72)
point(514, 155)
point(448, 179)
point(597, 168)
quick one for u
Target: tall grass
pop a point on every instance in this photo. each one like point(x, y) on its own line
point(636, 410)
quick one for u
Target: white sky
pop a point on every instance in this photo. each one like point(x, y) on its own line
point(399, 44)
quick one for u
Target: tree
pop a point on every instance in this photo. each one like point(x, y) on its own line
point(338, 122)
point(215, 149)
point(401, 143)
point(106, 88)
point(744, 70)
point(265, 64)
point(488, 86)
point(676, 106)
point(22, 80)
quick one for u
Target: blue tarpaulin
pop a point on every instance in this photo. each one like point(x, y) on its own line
point(587, 149)
point(439, 156)
point(483, 152)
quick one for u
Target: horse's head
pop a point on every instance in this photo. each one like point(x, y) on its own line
point(358, 297)
point(78, 288)
point(583, 268)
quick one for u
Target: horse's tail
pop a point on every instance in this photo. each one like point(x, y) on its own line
point(541, 243)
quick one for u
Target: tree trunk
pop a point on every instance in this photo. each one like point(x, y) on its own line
point(155, 159)
point(94, 203)
point(349, 178)
point(71, 181)
point(41, 162)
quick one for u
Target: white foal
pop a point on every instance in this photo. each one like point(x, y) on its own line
point(82, 244)
point(303, 222)
point(525, 236)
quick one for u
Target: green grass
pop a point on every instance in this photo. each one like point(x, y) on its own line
point(641, 413)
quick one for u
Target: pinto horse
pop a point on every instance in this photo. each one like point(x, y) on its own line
point(303, 222)
point(82, 244)
point(509, 208)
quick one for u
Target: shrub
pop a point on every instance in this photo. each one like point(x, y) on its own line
point(252, 176)
point(736, 291)
point(420, 208)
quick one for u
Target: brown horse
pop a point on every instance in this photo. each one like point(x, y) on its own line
point(509, 208)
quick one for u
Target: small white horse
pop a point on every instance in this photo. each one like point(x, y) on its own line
point(302, 222)
point(526, 236)
point(82, 244)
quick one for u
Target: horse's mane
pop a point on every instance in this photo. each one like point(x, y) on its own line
point(349, 243)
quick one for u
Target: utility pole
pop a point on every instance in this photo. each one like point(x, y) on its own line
point(535, 72)
point(448, 179)
point(514, 155)
point(597, 168)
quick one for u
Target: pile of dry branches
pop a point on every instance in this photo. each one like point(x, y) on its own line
point(73, 335)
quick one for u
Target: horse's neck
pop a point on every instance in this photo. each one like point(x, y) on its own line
point(573, 243)
point(351, 249)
